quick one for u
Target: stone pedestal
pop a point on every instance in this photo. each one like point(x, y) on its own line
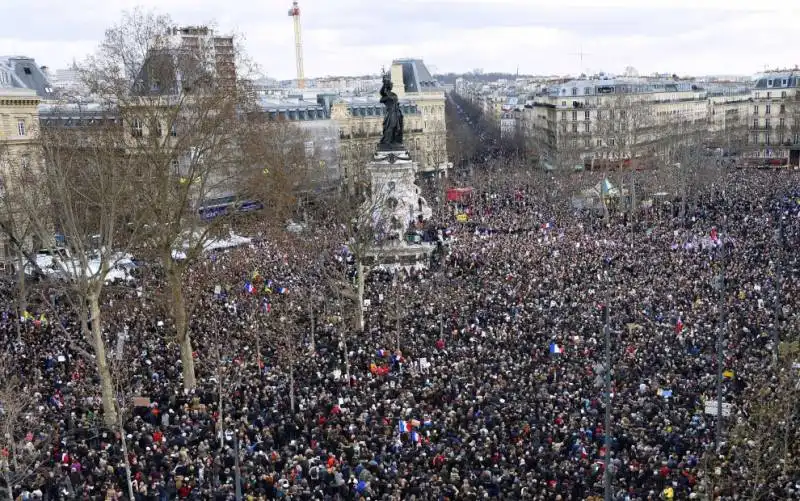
point(395, 203)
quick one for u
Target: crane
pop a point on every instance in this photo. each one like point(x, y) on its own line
point(294, 12)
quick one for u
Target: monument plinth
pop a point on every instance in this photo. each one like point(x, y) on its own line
point(395, 200)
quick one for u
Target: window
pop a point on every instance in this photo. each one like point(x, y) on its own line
point(783, 109)
point(766, 123)
point(136, 128)
point(175, 164)
point(769, 83)
point(755, 123)
point(574, 115)
point(587, 143)
point(782, 123)
point(783, 93)
point(612, 142)
point(27, 71)
point(155, 129)
point(767, 109)
point(574, 91)
point(21, 127)
point(563, 103)
point(599, 114)
point(599, 143)
point(586, 126)
point(755, 110)
point(574, 127)
point(587, 90)
point(173, 131)
point(783, 83)
point(563, 115)
point(769, 95)
point(586, 115)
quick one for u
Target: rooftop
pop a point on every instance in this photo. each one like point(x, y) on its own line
point(416, 77)
point(22, 72)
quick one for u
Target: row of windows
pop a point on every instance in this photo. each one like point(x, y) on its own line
point(19, 102)
point(137, 129)
point(768, 109)
point(768, 123)
point(769, 95)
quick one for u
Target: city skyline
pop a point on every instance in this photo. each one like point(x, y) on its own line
point(351, 38)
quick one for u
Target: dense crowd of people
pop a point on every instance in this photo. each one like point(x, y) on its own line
point(481, 376)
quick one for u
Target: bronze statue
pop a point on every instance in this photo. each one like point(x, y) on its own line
point(392, 139)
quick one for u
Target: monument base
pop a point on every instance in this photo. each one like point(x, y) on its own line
point(396, 205)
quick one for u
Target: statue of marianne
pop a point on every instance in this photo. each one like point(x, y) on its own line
point(392, 139)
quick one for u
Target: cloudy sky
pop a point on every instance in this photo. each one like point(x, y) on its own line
point(350, 37)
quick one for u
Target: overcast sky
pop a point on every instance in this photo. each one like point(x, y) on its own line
point(352, 37)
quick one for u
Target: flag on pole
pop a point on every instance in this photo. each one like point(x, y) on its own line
point(415, 437)
point(402, 426)
point(266, 307)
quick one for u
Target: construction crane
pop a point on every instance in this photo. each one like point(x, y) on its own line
point(294, 12)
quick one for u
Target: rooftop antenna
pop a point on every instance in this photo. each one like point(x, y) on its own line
point(580, 55)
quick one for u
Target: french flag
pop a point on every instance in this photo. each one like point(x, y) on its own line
point(403, 427)
point(381, 353)
point(249, 288)
point(415, 437)
point(556, 349)
point(281, 290)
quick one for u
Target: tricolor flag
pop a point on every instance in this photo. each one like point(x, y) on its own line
point(556, 349)
point(415, 437)
point(282, 290)
point(249, 288)
point(266, 307)
point(381, 353)
point(403, 427)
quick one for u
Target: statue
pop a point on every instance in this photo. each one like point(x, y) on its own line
point(392, 139)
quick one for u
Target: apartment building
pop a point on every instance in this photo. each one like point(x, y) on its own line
point(579, 121)
point(360, 121)
point(774, 127)
point(19, 155)
point(203, 40)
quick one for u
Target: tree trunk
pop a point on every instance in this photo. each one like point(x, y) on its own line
point(291, 386)
point(179, 316)
point(106, 388)
point(346, 358)
point(360, 293)
point(9, 488)
point(221, 418)
point(22, 303)
point(313, 328)
point(125, 454)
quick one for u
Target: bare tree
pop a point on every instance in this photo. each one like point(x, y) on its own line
point(23, 438)
point(89, 184)
point(185, 115)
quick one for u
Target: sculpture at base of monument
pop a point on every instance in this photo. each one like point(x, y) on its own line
point(392, 139)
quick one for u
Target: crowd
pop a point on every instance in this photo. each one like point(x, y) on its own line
point(480, 377)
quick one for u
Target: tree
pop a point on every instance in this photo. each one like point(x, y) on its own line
point(185, 116)
point(761, 457)
point(90, 187)
point(23, 435)
point(20, 207)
